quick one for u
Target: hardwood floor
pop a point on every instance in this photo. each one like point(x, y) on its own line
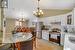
point(45, 45)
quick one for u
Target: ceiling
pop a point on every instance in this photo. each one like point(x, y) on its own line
point(57, 4)
point(25, 8)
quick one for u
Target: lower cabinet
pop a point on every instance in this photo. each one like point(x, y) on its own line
point(25, 45)
point(45, 34)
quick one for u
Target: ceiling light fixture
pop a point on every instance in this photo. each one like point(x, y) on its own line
point(4, 3)
point(38, 12)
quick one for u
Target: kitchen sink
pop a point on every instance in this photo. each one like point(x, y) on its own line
point(72, 39)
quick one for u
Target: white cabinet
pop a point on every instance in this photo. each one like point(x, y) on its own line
point(69, 15)
point(66, 18)
point(45, 34)
point(63, 20)
point(62, 38)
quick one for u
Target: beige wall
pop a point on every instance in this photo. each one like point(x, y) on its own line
point(10, 24)
point(1, 33)
point(0, 18)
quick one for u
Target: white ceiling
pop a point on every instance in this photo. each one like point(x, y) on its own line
point(26, 7)
point(45, 4)
point(57, 4)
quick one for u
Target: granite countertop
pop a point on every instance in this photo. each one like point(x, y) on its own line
point(69, 41)
point(69, 33)
point(18, 37)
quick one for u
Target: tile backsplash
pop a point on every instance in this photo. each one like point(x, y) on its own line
point(71, 29)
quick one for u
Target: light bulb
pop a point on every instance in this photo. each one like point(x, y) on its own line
point(40, 10)
point(39, 13)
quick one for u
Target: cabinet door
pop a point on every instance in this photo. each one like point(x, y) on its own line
point(63, 20)
point(45, 35)
point(62, 39)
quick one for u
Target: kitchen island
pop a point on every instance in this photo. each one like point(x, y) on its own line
point(20, 40)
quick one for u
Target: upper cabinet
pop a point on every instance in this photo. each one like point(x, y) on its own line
point(71, 18)
point(65, 19)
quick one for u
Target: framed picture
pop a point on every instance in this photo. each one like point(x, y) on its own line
point(69, 19)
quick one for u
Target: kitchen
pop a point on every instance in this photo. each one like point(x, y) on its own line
point(24, 30)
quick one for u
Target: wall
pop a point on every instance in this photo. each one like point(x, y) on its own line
point(0, 27)
point(10, 24)
point(0, 18)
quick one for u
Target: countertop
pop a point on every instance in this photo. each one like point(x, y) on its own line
point(68, 33)
point(18, 37)
point(68, 45)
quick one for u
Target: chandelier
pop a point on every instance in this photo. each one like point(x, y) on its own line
point(38, 12)
point(3, 3)
point(21, 19)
